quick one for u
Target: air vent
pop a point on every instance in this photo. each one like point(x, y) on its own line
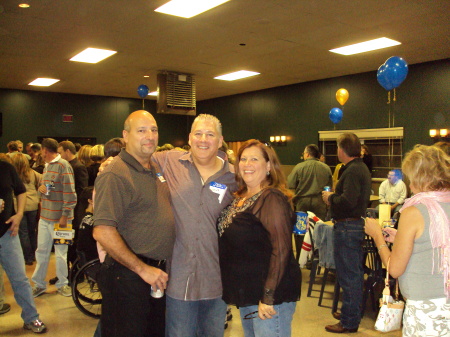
point(176, 94)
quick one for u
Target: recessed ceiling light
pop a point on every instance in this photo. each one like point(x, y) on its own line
point(24, 5)
point(188, 8)
point(362, 47)
point(146, 76)
point(43, 82)
point(236, 75)
point(153, 93)
point(92, 55)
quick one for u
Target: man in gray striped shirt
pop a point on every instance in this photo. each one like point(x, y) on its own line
point(57, 206)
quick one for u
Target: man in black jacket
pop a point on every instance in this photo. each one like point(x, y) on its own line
point(348, 207)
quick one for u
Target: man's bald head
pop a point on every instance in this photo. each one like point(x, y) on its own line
point(135, 115)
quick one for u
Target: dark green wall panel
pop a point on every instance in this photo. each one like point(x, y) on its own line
point(299, 111)
point(29, 114)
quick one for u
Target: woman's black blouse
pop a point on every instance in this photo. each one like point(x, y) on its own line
point(255, 249)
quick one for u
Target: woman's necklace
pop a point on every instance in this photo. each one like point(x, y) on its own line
point(240, 204)
point(242, 200)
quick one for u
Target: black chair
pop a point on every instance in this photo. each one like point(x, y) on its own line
point(315, 268)
point(374, 277)
point(375, 274)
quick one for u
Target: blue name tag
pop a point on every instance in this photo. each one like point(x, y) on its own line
point(220, 189)
point(161, 177)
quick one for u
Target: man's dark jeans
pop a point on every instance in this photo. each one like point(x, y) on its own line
point(348, 257)
point(127, 307)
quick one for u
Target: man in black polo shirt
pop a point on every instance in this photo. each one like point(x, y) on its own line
point(133, 221)
point(348, 206)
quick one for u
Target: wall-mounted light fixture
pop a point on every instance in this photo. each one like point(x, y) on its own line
point(278, 140)
point(439, 133)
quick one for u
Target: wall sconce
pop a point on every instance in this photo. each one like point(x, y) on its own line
point(439, 133)
point(278, 140)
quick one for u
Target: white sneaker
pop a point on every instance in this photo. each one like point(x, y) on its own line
point(65, 291)
point(37, 326)
point(37, 291)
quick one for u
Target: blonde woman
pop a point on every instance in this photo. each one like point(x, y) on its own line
point(84, 155)
point(420, 257)
point(28, 225)
point(96, 155)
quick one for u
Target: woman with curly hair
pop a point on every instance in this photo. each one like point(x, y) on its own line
point(420, 257)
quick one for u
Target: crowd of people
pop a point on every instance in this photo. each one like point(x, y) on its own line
point(184, 232)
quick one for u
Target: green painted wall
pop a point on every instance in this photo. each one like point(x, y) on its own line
point(29, 114)
point(299, 111)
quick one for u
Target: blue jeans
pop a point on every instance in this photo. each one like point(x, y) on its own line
point(28, 235)
point(348, 257)
point(11, 258)
point(45, 243)
point(195, 318)
point(278, 326)
point(2, 288)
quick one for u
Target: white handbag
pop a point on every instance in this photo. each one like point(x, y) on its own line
point(391, 311)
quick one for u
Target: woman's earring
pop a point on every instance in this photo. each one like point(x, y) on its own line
point(268, 173)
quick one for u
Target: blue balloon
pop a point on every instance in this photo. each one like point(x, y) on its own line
point(336, 115)
point(392, 73)
point(142, 91)
point(382, 79)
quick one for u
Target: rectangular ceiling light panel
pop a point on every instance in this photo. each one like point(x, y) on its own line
point(43, 82)
point(92, 55)
point(362, 47)
point(188, 8)
point(236, 75)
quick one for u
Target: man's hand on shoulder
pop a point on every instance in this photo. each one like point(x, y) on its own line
point(104, 165)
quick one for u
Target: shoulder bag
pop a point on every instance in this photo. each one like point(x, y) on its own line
point(391, 311)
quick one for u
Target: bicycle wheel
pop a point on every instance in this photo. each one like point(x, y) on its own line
point(85, 292)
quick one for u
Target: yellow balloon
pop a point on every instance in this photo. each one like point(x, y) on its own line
point(342, 96)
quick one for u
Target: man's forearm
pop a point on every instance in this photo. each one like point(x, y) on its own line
point(114, 245)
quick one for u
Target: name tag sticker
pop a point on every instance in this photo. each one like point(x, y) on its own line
point(161, 177)
point(220, 189)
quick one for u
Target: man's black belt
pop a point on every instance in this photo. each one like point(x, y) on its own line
point(346, 219)
point(151, 262)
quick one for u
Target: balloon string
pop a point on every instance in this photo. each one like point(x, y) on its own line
point(389, 109)
point(395, 98)
point(143, 107)
point(393, 114)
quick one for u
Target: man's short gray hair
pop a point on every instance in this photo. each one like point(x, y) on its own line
point(208, 118)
